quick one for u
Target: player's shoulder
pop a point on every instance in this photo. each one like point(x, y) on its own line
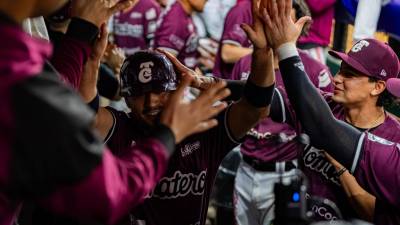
point(170, 15)
point(241, 9)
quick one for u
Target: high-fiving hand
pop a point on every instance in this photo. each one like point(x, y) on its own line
point(278, 24)
point(99, 11)
point(255, 32)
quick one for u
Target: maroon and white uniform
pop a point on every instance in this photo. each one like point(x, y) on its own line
point(134, 30)
point(182, 195)
point(322, 181)
point(269, 142)
point(375, 158)
point(176, 33)
point(233, 34)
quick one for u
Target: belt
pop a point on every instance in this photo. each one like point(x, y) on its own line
point(267, 166)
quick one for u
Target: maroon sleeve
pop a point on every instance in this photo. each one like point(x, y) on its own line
point(241, 70)
point(376, 165)
point(71, 172)
point(114, 187)
point(169, 34)
point(73, 51)
point(233, 33)
point(317, 6)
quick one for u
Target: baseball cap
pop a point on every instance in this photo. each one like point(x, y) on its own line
point(374, 59)
point(147, 71)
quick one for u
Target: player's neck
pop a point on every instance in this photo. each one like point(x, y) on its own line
point(186, 6)
point(365, 117)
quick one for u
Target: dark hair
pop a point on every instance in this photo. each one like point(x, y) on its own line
point(302, 9)
point(385, 99)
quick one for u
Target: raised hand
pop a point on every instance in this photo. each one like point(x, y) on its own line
point(197, 81)
point(278, 24)
point(99, 11)
point(187, 118)
point(255, 32)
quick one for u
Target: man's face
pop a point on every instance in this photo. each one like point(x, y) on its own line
point(148, 107)
point(351, 87)
point(47, 7)
point(198, 5)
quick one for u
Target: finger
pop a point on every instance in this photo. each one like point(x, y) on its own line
point(267, 20)
point(206, 125)
point(281, 8)
point(288, 8)
point(181, 68)
point(209, 94)
point(274, 11)
point(254, 7)
point(180, 91)
point(218, 96)
point(251, 34)
point(122, 6)
point(212, 111)
point(302, 21)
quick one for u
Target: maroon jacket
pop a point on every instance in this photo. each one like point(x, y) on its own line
point(48, 152)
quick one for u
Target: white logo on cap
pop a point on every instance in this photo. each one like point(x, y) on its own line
point(358, 47)
point(383, 73)
point(145, 72)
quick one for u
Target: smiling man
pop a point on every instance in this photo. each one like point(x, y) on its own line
point(355, 129)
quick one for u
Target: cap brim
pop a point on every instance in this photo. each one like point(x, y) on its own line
point(351, 62)
point(393, 86)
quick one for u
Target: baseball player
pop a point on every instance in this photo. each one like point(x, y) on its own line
point(234, 43)
point(134, 30)
point(176, 32)
point(50, 155)
point(182, 195)
point(270, 150)
point(364, 149)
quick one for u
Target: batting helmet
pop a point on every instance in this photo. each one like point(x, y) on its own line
point(147, 71)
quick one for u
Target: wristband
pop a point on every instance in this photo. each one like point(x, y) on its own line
point(258, 96)
point(341, 171)
point(95, 103)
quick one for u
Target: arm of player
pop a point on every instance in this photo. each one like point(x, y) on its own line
point(277, 108)
point(326, 132)
point(75, 48)
point(232, 53)
point(362, 201)
point(254, 104)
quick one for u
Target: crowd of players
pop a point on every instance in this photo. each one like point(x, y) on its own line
point(185, 90)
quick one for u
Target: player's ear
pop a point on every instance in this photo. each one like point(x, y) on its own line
point(380, 86)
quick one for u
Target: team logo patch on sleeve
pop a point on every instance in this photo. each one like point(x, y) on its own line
point(145, 73)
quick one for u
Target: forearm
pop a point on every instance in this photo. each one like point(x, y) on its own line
point(362, 201)
point(116, 186)
point(232, 53)
point(73, 50)
point(88, 84)
point(248, 111)
point(336, 137)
